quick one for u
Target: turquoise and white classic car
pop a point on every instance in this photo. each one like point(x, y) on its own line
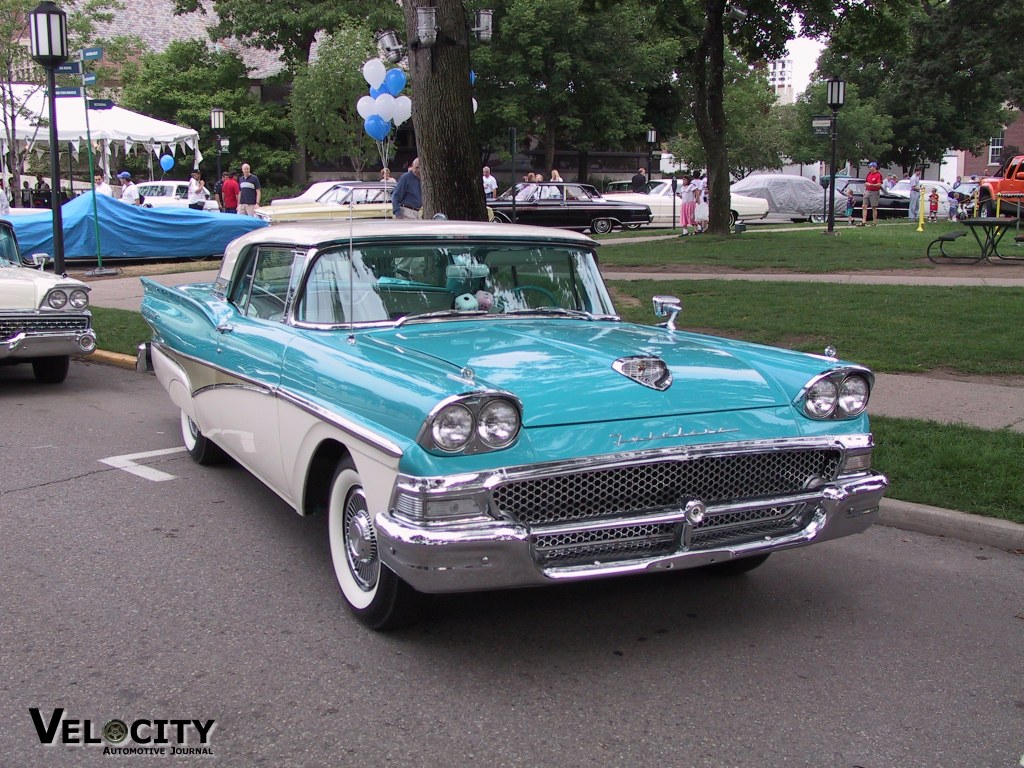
point(44, 318)
point(463, 403)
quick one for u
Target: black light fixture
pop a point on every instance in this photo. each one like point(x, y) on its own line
point(835, 97)
point(217, 124)
point(735, 13)
point(48, 39)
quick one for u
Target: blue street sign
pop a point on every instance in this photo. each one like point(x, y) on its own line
point(92, 54)
point(70, 68)
point(64, 92)
point(100, 104)
point(89, 78)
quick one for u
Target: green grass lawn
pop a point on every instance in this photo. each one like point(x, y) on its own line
point(891, 245)
point(890, 328)
point(954, 467)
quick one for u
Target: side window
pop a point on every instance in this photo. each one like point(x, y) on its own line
point(263, 292)
point(181, 191)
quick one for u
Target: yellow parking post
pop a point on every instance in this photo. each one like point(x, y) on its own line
point(920, 212)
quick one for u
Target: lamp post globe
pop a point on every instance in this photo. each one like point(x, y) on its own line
point(48, 40)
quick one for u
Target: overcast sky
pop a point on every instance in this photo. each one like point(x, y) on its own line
point(804, 54)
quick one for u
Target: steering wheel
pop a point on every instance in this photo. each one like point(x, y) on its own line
point(538, 289)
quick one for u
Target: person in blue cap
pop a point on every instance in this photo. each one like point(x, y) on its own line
point(129, 192)
point(872, 189)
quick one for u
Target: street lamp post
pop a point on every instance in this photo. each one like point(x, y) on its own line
point(217, 124)
point(835, 96)
point(48, 37)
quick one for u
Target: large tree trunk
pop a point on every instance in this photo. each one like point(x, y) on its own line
point(709, 114)
point(442, 115)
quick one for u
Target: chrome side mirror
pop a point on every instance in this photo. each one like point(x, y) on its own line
point(41, 260)
point(667, 305)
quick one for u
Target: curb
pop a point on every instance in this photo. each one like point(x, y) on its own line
point(905, 515)
point(935, 521)
point(112, 358)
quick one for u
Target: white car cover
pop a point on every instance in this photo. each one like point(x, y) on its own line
point(788, 195)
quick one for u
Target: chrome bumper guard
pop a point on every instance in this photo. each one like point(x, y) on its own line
point(497, 554)
point(48, 344)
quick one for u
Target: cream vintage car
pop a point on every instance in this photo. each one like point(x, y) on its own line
point(44, 318)
point(665, 206)
point(344, 200)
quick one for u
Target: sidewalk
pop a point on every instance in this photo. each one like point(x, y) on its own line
point(945, 399)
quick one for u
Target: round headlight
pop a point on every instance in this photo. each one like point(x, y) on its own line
point(452, 427)
point(57, 299)
point(853, 395)
point(820, 400)
point(497, 424)
point(79, 299)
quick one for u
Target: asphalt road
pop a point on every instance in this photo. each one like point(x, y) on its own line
point(203, 597)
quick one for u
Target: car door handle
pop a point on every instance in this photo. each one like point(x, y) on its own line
point(225, 328)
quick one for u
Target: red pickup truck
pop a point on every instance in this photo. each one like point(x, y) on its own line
point(1008, 184)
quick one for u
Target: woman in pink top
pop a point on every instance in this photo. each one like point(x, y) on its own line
point(688, 193)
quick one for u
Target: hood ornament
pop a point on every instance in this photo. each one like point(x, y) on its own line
point(652, 372)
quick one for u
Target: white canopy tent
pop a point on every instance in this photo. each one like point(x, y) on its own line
point(112, 131)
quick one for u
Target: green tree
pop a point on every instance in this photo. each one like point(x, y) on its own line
point(324, 95)
point(186, 81)
point(943, 71)
point(862, 132)
point(291, 28)
point(754, 124)
point(564, 75)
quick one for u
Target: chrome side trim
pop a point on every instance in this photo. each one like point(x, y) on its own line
point(233, 380)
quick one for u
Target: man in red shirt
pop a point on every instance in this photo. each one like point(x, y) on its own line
point(229, 194)
point(872, 188)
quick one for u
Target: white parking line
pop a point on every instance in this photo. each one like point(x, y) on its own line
point(128, 464)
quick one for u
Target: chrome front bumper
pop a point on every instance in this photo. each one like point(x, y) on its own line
point(28, 344)
point(494, 555)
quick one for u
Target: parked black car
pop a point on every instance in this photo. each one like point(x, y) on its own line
point(889, 204)
point(567, 205)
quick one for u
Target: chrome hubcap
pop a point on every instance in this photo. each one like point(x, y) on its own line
point(360, 541)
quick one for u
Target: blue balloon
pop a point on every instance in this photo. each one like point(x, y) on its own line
point(166, 162)
point(394, 81)
point(377, 127)
point(375, 92)
point(472, 77)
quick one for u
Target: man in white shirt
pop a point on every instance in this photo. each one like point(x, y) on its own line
point(101, 186)
point(129, 192)
point(196, 191)
point(490, 184)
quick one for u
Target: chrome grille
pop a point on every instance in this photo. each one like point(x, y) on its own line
point(625, 491)
point(11, 326)
point(735, 527)
point(606, 544)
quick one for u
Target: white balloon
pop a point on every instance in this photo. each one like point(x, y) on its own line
point(403, 109)
point(373, 72)
point(385, 106)
point(474, 106)
point(365, 106)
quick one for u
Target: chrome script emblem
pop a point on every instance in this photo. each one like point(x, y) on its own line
point(650, 371)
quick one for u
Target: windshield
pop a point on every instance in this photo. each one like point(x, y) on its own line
point(8, 248)
point(155, 190)
point(357, 196)
point(385, 282)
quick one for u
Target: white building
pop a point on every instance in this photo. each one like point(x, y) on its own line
point(780, 78)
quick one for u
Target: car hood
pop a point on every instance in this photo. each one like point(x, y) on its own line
point(25, 288)
point(562, 371)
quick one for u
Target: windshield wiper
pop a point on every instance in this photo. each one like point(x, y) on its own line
point(437, 313)
point(552, 311)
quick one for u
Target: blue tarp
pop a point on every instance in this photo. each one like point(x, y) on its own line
point(131, 232)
